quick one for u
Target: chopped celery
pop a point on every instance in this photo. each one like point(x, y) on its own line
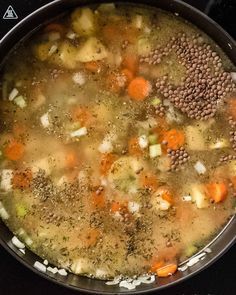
point(155, 150)
point(152, 139)
point(155, 101)
point(20, 101)
point(191, 249)
point(21, 210)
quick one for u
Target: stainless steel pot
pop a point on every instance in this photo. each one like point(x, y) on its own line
point(220, 244)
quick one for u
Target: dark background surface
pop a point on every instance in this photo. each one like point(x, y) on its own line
point(219, 279)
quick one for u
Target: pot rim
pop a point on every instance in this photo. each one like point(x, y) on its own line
point(232, 46)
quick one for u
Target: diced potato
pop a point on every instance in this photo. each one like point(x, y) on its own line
point(66, 55)
point(199, 197)
point(83, 21)
point(41, 51)
point(144, 46)
point(219, 144)
point(92, 50)
point(137, 21)
point(194, 138)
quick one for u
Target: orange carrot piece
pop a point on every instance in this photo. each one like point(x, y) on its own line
point(127, 74)
point(71, 159)
point(115, 207)
point(156, 265)
point(14, 150)
point(130, 62)
point(232, 107)
point(174, 138)
point(139, 88)
point(82, 115)
point(98, 199)
point(149, 180)
point(167, 270)
point(22, 179)
point(217, 191)
point(93, 66)
point(55, 27)
point(106, 162)
point(134, 148)
point(167, 197)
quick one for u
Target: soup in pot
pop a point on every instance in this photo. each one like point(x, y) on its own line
point(118, 140)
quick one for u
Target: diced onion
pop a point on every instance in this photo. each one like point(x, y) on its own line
point(78, 78)
point(146, 279)
point(187, 198)
point(200, 168)
point(13, 94)
point(155, 150)
point(62, 272)
point(208, 250)
point(71, 35)
point(80, 132)
point(22, 251)
point(45, 262)
point(52, 50)
point(114, 282)
point(183, 268)
point(39, 266)
point(105, 146)
point(133, 207)
point(143, 141)
point(45, 120)
point(127, 285)
point(6, 178)
point(3, 212)
point(53, 270)
point(16, 242)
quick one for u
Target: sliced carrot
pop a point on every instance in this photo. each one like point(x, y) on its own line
point(71, 159)
point(93, 66)
point(127, 74)
point(19, 129)
point(156, 265)
point(130, 62)
point(232, 107)
point(115, 82)
point(217, 191)
point(14, 150)
point(149, 180)
point(98, 199)
point(167, 270)
point(55, 27)
point(139, 88)
point(134, 148)
point(82, 115)
point(167, 197)
point(106, 162)
point(115, 207)
point(174, 139)
point(22, 179)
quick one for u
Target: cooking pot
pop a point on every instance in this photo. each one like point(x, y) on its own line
point(225, 238)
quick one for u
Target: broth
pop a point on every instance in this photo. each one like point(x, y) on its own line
point(117, 141)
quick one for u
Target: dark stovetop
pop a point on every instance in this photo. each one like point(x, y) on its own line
point(219, 279)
